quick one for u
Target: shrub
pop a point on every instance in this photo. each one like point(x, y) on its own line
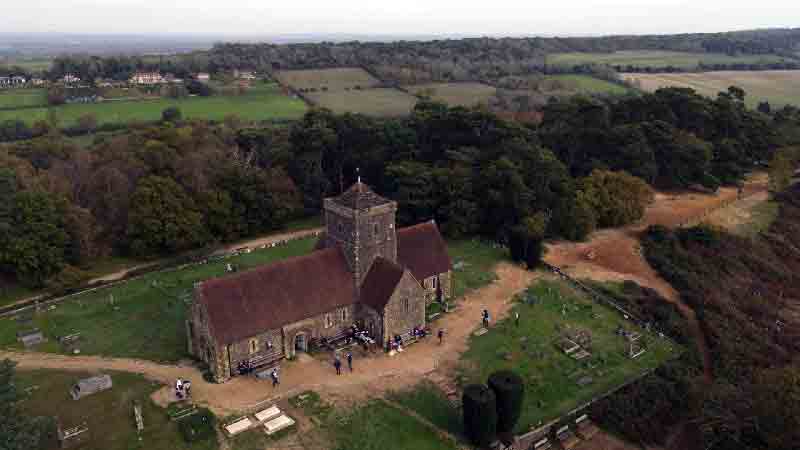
point(171, 114)
point(480, 414)
point(198, 427)
point(509, 391)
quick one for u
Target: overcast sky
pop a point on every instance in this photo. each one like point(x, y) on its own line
point(471, 17)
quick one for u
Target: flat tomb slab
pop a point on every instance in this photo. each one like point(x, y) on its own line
point(240, 425)
point(278, 424)
point(268, 414)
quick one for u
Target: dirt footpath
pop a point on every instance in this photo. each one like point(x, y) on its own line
point(373, 375)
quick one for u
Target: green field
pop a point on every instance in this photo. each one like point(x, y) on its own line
point(108, 414)
point(262, 102)
point(551, 377)
point(658, 58)
point(147, 317)
point(381, 102)
point(455, 94)
point(588, 84)
point(332, 80)
point(778, 87)
point(22, 98)
point(380, 425)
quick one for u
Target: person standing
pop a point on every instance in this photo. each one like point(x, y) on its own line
point(337, 363)
point(516, 318)
point(350, 360)
point(441, 335)
point(275, 380)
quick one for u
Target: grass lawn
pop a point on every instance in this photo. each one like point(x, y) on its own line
point(381, 102)
point(658, 59)
point(588, 84)
point(147, 318)
point(108, 414)
point(473, 264)
point(262, 102)
point(551, 377)
point(427, 400)
point(22, 98)
point(378, 425)
point(455, 94)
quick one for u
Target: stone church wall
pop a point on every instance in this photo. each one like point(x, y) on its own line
point(405, 309)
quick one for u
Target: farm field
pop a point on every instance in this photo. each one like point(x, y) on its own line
point(146, 319)
point(455, 94)
point(555, 382)
point(332, 80)
point(659, 58)
point(31, 64)
point(778, 87)
point(263, 102)
point(588, 84)
point(108, 414)
point(382, 102)
point(22, 98)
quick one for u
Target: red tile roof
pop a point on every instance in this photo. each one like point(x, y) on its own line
point(248, 303)
point(422, 249)
point(380, 283)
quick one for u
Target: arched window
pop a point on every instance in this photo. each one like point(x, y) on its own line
point(328, 321)
point(343, 313)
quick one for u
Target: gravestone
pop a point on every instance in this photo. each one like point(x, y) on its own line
point(30, 338)
point(89, 386)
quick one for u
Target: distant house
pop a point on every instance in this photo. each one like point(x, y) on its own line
point(38, 81)
point(147, 78)
point(103, 83)
point(170, 78)
point(202, 77)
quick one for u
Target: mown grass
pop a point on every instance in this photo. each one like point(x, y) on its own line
point(379, 425)
point(551, 377)
point(473, 264)
point(334, 80)
point(262, 102)
point(22, 98)
point(427, 400)
point(658, 59)
point(147, 317)
point(108, 414)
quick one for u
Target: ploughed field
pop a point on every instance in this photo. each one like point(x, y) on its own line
point(261, 102)
point(659, 58)
point(778, 87)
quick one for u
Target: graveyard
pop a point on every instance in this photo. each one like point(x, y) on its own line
point(105, 419)
point(568, 349)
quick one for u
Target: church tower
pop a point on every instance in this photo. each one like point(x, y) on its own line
point(362, 223)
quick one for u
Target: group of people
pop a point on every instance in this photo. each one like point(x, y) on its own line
point(337, 362)
point(183, 389)
point(245, 367)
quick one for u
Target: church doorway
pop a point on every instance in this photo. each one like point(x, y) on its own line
point(300, 342)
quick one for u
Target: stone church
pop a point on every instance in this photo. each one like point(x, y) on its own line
point(363, 270)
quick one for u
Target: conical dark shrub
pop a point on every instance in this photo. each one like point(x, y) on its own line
point(509, 391)
point(480, 414)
